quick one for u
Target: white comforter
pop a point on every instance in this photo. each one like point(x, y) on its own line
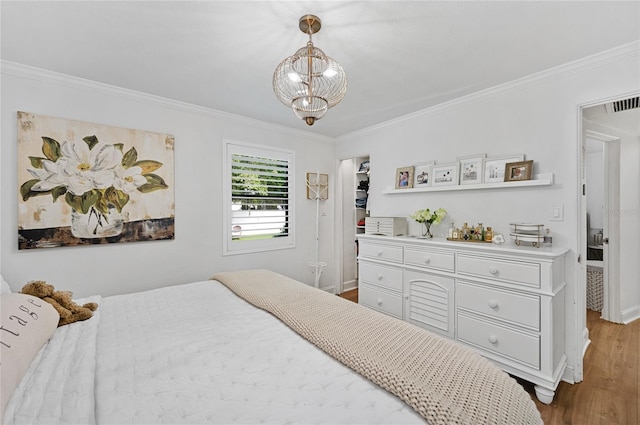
point(193, 354)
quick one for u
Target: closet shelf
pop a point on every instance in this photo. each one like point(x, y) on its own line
point(539, 180)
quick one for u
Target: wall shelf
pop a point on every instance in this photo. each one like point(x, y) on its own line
point(539, 180)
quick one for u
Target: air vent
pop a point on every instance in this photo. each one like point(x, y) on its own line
point(623, 105)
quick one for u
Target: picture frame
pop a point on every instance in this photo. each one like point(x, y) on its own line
point(494, 168)
point(404, 177)
point(118, 212)
point(518, 171)
point(317, 186)
point(422, 174)
point(471, 169)
point(445, 175)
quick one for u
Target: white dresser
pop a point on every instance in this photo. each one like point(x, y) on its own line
point(505, 302)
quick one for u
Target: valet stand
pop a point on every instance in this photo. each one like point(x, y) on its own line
point(318, 190)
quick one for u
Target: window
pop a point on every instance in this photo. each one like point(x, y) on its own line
point(258, 189)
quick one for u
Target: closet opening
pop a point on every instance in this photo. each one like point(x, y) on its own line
point(355, 179)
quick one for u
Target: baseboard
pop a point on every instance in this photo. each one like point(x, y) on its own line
point(347, 286)
point(585, 341)
point(631, 314)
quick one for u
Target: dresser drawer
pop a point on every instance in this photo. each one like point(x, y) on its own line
point(521, 347)
point(388, 277)
point(431, 259)
point(381, 252)
point(522, 273)
point(385, 302)
point(508, 306)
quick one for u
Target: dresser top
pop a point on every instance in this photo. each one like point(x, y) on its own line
point(506, 248)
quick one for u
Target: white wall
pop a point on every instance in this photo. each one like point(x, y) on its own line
point(537, 116)
point(196, 252)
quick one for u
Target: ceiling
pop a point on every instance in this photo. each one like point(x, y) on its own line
point(399, 56)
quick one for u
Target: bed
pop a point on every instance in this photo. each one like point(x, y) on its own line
point(250, 347)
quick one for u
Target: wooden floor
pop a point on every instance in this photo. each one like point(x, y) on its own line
point(610, 392)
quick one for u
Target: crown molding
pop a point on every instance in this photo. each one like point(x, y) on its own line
point(51, 77)
point(599, 59)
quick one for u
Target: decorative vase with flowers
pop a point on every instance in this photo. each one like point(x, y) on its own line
point(427, 217)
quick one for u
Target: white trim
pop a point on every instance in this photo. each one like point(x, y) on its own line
point(50, 77)
point(599, 59)
point(579, 331)
point(338, 257)
point(255, 245)
point(587, 341)
point(611, 270)
point(631, 314)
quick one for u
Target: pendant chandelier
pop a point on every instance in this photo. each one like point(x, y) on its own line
point(309, 82)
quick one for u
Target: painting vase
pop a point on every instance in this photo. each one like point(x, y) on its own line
point(426, 230)
point(95, 224)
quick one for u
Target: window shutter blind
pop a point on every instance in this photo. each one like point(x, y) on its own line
point(260, 197)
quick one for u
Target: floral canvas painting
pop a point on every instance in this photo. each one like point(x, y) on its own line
point(82, 183)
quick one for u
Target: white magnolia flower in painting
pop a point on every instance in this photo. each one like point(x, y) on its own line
point(50, 175)
point(129, 180)
point(90, 175)
point(89, 169)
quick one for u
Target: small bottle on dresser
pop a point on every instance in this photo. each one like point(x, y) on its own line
point(466, 233)
point(488, 234)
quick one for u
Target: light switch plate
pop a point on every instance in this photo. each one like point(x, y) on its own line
point(557, 213)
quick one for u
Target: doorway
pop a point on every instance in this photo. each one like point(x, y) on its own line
point(354, 208)
point(602, 177)
point(613, 127)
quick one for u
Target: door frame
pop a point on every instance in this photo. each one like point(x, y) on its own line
point(580, 293)
point(611, 225)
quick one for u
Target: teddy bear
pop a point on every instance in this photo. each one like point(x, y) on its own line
point(60, 300)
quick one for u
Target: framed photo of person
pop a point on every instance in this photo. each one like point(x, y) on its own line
point(518, 171)
point(404, 178)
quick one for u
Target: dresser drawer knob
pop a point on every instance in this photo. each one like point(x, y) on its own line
point(493, 270)
point(379, 276)
point(379, 301)
point(493, 339)
point(427, 260)
point(493, 304)
point(380, 253)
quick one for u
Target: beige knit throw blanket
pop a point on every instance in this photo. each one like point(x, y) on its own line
point(443, 381)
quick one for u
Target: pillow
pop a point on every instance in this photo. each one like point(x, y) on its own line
point(6, 289)
point(26, 323)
